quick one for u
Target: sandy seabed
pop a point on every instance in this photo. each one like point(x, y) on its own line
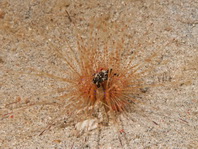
point(170, 116)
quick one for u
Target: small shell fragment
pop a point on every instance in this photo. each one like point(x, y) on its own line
point(87, 125)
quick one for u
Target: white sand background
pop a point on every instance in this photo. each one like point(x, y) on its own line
point(169, 115)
